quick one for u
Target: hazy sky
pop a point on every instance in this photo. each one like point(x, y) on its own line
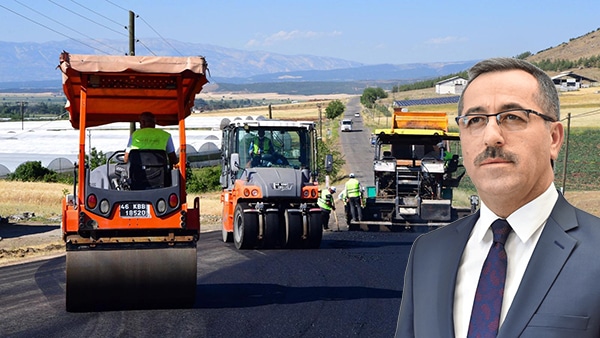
point(371, 32)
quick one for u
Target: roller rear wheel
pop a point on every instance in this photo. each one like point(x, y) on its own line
point(315, 230)
point(271, 231)
point(245, 228)
point(293, 228)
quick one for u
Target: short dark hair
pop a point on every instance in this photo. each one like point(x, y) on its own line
point(547, 96)
point(148, 116)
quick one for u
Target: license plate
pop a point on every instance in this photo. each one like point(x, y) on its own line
point(134, 210)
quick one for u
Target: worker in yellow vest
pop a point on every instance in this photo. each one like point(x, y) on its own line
point(353, 190)
point(148, 137)
point(327, 204)
point(259, 147)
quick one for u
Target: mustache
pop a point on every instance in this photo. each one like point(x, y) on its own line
point(494, 152)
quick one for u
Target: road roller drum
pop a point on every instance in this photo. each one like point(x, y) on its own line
point(135, 278)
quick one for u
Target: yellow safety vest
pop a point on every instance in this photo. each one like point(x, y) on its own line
point(266, 146)
point(149, 138)
point(325, 200)
point(352, 188)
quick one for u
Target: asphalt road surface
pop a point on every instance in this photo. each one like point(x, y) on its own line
point(356, 145)
point(350, 287)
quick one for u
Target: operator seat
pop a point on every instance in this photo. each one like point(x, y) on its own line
point(148, 169)
point(387, 155)
point(452, 164)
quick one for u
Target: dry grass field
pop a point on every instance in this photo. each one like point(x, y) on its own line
point(44, 199)
point(306, 108)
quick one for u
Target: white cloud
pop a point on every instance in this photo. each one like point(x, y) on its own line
point(445, 40)
point(287, 77)
point(284, 36)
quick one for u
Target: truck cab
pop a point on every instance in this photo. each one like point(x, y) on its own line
point(346, 124)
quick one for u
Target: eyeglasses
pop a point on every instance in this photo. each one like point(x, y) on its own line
point(511, 120)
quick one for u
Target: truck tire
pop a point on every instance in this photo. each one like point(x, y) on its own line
point(293, 229)
point(245, 228)
point(315, 230)
point(271, 231)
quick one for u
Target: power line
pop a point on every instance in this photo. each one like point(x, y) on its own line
point(146, 47)
point(157, 33)
point(88, 19)
point(147, 24)
point(114, 4)
point(51, 29)
point(98, 14)
point(97, 23)
point(59, 23)
point(585, 114)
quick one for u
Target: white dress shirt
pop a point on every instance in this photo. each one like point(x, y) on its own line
point(527, 224)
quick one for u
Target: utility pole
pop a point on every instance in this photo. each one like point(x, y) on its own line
point(320, 122)
point(131, 53)
point(22, 103)
point(131, 33)
point(564, 178)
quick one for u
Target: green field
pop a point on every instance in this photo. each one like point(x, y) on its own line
point(583, 160)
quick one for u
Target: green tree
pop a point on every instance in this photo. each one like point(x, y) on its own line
point(95, 158)
point(371, 95)
point(33, 171)
point(323, 149)
point(334, 109)
point(203, 179)
point(523, 55)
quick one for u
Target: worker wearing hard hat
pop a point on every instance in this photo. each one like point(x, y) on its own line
point(353, 194)
point(327, 204)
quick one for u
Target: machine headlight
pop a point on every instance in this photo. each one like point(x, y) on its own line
point(161, 206)
point(104, 206)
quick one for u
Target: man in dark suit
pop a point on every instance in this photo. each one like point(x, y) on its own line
point(544, 277)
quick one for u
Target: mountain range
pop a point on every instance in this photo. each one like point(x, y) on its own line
point(33, 65)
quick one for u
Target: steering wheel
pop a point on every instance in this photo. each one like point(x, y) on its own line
point(118, 157)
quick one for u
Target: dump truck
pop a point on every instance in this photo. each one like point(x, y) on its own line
point(270, 192)
point(414, 174)
point(129, 231)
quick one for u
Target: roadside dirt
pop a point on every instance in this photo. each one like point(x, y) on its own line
point(26, 241)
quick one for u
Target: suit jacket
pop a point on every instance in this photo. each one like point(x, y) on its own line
point(559, 295)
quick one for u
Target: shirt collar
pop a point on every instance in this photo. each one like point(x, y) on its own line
point(525, 221)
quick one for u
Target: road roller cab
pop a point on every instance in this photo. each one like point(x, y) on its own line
point(129, 230)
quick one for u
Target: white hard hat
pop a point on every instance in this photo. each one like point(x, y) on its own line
point(332, 189)
point(351, 175)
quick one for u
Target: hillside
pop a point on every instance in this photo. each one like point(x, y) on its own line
point(31, 67)
point(585, 46)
